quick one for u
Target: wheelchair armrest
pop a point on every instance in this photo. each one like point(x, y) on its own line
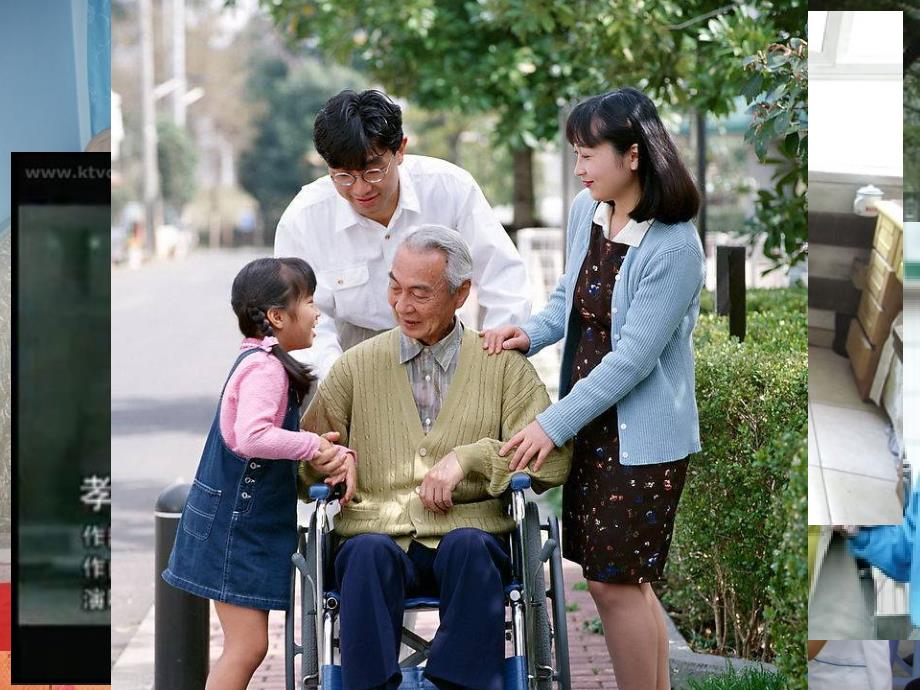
point(324, 492)
point(520, 481)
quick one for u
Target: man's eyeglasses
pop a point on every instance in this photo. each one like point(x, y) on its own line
point(371, 176)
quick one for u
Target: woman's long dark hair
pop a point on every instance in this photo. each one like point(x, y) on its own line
point(625, 117)
point(266, 283)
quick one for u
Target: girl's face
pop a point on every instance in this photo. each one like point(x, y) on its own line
point(606, 173)
point(294, 326)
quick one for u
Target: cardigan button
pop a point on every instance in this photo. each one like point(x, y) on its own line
point(614, 310)
point(617, 277)
point(625, 454)
point(622, 426)
point(423, 452)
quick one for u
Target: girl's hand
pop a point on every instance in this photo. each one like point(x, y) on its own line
point(349, 475)
point(505, 338)
point(329, 459)
point(530, 441)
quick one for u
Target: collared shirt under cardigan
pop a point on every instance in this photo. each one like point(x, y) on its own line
point(367, 399)
point(431, 369)
point(649, 373)
point(352, 255)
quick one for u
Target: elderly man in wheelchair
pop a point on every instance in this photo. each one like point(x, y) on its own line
point(425, 513)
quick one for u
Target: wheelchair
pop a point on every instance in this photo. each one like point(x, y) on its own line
point(538, 636)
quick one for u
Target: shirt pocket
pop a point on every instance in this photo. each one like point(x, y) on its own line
point(346, 285)
point(200, 510)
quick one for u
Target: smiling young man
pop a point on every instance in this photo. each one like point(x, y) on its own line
point(347, 224)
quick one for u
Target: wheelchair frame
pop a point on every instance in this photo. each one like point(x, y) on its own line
point(540, 649)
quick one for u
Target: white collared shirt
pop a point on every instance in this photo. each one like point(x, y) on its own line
point(631, 233)
point(352, 254)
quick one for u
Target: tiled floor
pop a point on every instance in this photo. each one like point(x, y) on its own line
point(852, 476)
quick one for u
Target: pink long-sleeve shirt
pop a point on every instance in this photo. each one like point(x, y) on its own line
point(252, 412)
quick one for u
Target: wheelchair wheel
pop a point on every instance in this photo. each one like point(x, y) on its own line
point(539, 642)
point(557, 593)
point(304, 565)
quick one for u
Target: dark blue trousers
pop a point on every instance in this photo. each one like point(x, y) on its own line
point(467, 572)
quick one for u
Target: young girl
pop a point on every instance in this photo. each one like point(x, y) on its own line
point(625, 308)
point(239, 526)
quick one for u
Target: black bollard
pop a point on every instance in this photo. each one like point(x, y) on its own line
point(182, 634)
point(731, 295)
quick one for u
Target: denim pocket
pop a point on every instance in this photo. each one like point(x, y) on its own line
point(200, 509)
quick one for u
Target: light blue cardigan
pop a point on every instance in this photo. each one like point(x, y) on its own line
point(649, 373)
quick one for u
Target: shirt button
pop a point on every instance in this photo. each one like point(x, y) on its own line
point(622, 426)
point(428, 421)
point(423, 452)
point(387, 236)
point(625, 454)
point(428, 377)
point(340, 281)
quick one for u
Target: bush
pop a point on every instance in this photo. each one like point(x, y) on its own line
point(735, 539)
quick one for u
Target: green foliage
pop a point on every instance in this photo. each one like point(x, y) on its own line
point(747, 679)
point(594, 626)
point(730, 555)
point(778, 93)
point(580, 586)
point(177, 159)
point(281, 158)
point(786, 614)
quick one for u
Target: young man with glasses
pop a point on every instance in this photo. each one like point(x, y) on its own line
point(347, 225)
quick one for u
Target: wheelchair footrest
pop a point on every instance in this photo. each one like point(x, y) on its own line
point(514, 675)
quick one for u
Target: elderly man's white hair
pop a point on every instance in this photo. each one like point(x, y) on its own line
point(440, 237)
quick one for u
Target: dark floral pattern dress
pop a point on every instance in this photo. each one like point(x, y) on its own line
point(617, 519)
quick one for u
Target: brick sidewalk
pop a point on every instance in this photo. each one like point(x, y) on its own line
point(590, 663)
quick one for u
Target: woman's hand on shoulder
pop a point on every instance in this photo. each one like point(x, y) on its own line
point(507, 337)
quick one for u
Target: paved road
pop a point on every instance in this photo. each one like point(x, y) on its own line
point(173, 339)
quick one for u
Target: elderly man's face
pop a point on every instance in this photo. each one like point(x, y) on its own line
point(422, 302)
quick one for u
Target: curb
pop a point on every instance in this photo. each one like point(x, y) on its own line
point(133, 670)
point(687, 664)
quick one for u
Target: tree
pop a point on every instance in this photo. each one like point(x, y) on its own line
point(524, 59)
point(281, 157)
point(176, 158)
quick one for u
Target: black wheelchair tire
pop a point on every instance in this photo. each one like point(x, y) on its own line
point(560, 624)
point(539, 639)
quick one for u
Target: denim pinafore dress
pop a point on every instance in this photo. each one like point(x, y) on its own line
point(239, 526)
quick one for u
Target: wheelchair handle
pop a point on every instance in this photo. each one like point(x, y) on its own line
point(324, 492)
point(520, 481)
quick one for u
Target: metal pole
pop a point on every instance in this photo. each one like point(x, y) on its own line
point(149, 127)
point(701, 172)
point(182, 625)
point(178, 61)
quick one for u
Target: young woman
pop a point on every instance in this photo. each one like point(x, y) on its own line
point(626, 307)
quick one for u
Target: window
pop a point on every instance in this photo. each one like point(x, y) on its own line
point(855, 101)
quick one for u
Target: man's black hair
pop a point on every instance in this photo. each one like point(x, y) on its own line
point(354, 127)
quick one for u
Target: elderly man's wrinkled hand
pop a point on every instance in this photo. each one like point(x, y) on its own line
point(440, 482)
point(349, 475)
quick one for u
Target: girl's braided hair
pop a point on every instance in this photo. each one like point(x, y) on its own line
point(280, 283)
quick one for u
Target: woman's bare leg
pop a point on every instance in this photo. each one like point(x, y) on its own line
point(664, 669)
point(633, 631)
point(245, 645)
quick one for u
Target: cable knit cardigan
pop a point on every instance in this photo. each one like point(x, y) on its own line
point(366, 397)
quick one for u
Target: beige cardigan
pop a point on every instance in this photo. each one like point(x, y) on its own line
point(367, 398)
